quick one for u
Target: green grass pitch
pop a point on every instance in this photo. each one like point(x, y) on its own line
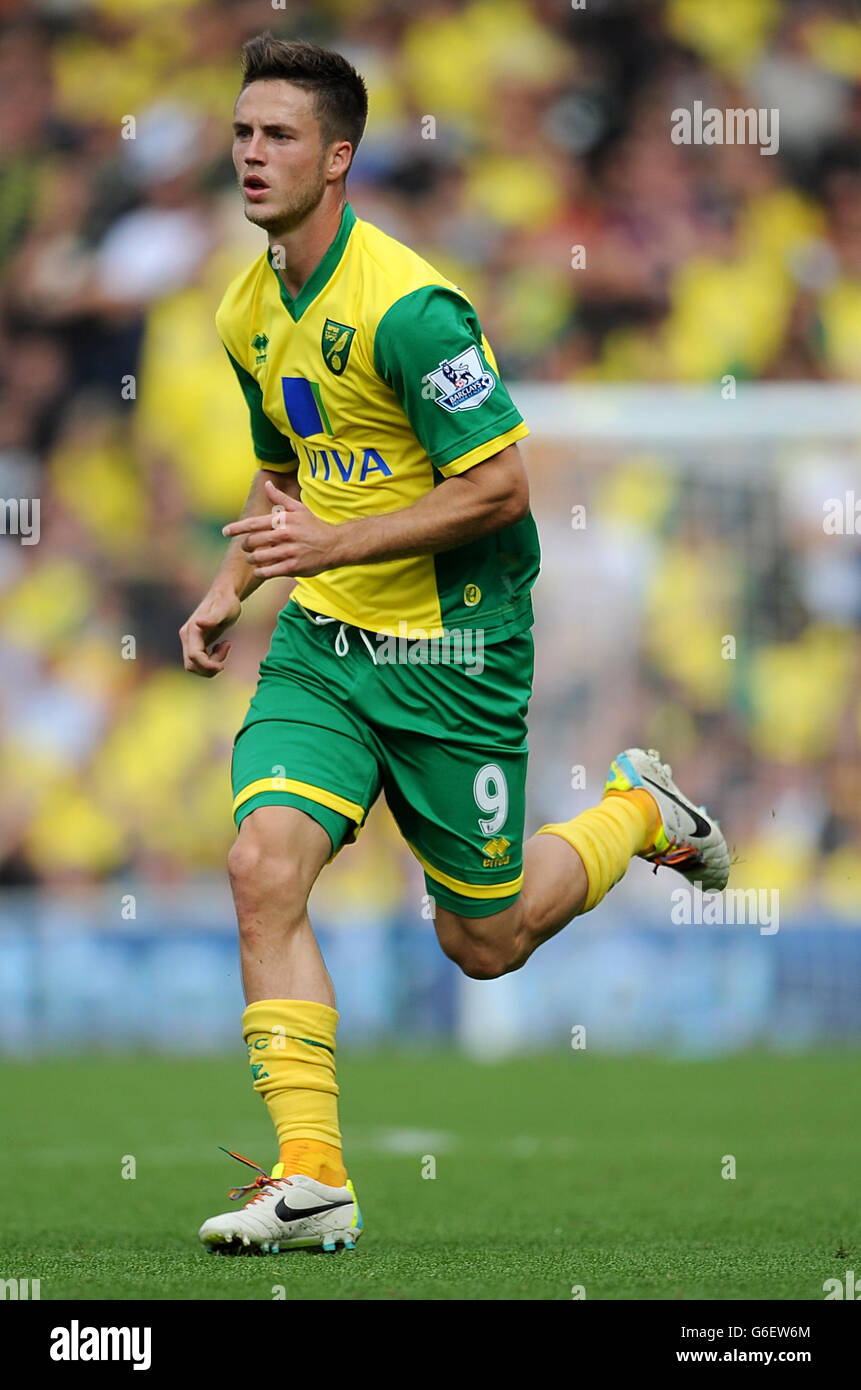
point(551, 1171)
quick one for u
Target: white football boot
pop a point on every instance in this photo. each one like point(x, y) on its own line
point(689, 840)
point(287, 1213)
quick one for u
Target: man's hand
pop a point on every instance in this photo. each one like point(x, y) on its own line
point(217, 612)
point(290, 540)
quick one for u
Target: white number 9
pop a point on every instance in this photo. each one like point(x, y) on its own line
point(491, 794)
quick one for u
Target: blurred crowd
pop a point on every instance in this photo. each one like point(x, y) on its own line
point(503, 136)
point(705, 611)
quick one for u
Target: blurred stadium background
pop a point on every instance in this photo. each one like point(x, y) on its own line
point(704, 514)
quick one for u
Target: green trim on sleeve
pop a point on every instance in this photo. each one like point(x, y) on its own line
point(414, 337)
point(270, 445)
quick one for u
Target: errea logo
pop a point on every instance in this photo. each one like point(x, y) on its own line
point(495, 852)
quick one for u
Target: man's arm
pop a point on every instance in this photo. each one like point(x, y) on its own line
point(292, 541)
point(484, 499)
point(202, 652)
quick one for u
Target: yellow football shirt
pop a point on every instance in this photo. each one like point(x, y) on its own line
point(376, 383)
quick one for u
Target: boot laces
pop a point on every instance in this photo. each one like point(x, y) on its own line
point(264, 1183)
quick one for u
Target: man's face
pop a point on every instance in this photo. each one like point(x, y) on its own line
point(278, 154)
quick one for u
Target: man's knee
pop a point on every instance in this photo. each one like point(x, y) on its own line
point(482, 963)
point(267, 874)
point(482, 960)
point(483, 947)
point(248, 862)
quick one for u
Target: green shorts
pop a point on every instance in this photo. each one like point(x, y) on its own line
point(340, 715)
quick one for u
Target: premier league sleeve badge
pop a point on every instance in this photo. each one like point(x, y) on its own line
point(462, 381)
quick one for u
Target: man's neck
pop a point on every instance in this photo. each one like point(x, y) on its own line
point(301, 250)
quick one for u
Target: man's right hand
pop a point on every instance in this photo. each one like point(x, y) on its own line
point(217, 612)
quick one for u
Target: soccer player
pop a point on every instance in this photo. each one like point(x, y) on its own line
point(390, 486)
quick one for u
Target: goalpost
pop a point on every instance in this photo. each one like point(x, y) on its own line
point(700, 593)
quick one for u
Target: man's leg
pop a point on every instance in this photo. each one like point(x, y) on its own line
point(569, 867)
point(557, 886)
point(290, 1020)
point(289, 1027)
point(304, 777)
point(455, 780)
point(273, 865)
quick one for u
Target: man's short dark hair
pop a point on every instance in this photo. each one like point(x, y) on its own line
point(340, 95)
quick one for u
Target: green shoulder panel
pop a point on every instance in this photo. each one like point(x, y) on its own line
point(428, 349)
point(270, 445)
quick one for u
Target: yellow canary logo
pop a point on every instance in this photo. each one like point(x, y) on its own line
point(336, 343)
point(471, 595)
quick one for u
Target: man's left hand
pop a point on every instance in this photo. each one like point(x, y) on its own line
point(289, 541)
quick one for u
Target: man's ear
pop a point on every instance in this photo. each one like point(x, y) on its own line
point(340, 159)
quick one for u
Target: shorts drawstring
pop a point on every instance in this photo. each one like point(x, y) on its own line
point(342, 646)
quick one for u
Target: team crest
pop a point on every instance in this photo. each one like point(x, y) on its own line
point(260, 344)
point(337, 341)
point(462, 381)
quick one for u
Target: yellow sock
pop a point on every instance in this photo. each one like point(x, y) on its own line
point(607, 837)
point(291, 1047)
point(315, 1160)
point(638, 796)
